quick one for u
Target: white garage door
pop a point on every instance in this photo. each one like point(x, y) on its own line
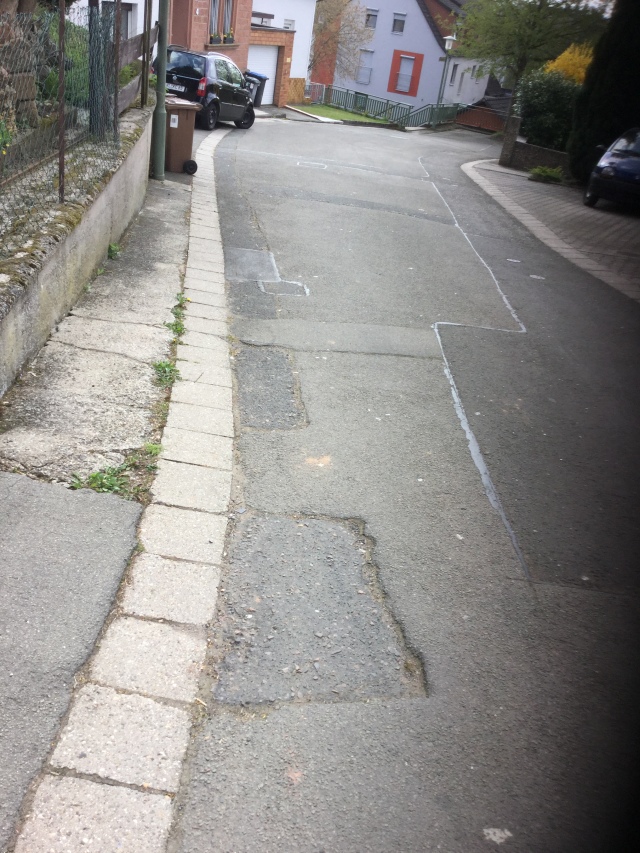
point(263, 58)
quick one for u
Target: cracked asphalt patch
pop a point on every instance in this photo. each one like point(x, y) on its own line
point(268, 391)
point(302, 618)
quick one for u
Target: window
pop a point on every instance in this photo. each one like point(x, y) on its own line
point(405, 74)
point(363, 74)
point(234, 74)
point(214, 15)
point(473, 71)
point(371, 19)
point(398, 22)
point(289, 24)
point(461, 81)
point(454, 71)
point(227, 16)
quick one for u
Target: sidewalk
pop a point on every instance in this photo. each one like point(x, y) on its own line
point(604, 241)
point(114, 768)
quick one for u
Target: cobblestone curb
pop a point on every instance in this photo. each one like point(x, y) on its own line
point(548, 237)
point(111, 778)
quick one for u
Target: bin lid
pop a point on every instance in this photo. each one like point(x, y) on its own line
point(172, 103)
point(257, 75)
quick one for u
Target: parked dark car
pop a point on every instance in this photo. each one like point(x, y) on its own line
point(617, 174)
point(212, 80)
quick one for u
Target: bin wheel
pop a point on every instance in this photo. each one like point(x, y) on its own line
point(190, 167)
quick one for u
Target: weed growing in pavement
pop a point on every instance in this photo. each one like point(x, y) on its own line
point(177, 327)
point(546, 174)
point(112, 480)
point(113, 251)
point(166, 373)
point(131, 480)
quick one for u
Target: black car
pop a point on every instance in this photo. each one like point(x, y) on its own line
point(213, 80)
point(617, 174)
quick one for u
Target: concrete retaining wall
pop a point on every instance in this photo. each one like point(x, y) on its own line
point(520, 155)
point(48, 294)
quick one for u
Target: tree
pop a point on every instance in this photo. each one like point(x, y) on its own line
point(339, 33)
point(609, 101)
point(573, 63)
point(512, 37)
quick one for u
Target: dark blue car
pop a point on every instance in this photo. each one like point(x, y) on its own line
point(617, 175)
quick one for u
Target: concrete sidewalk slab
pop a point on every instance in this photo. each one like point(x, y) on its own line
point(205, 326)
point(183, 534)
point(197, 296)
point(197, 448)
point(170, 589)
point(126, 738)
point(128, 659)
point(207, 312)
point(206, 374)
point(201, 419)
point(192, 486)
point(203, 355)
point(121, 819)
point(195, 394)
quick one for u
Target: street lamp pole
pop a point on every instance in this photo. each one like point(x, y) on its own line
point(448, 44)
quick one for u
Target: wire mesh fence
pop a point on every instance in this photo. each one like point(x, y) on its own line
point(60, 78)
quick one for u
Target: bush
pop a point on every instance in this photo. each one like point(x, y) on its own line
point(545, 102)
point(573, 63)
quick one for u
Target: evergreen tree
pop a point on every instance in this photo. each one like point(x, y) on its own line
point(609, 101)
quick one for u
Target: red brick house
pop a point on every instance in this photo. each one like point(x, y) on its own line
point(193, 23)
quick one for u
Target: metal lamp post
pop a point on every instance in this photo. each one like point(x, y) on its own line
point(448, 44)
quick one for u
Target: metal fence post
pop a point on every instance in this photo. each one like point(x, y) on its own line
point(61, 115)
point(117, 23)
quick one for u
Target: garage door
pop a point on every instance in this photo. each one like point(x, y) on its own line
point(263, 58)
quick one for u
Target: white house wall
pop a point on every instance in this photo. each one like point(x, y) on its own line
point(136, 15)
point(300, 11)
point(416, 38)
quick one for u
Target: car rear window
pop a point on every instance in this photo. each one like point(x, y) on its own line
point(185, 64)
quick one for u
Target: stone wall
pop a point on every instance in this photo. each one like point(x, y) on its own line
point(35, 297)
point(520, 155)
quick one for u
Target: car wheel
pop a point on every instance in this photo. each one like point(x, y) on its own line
point(590, 198)
point(209, 117)
point(247, 120)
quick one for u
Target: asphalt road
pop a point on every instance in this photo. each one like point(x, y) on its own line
point(427, 636)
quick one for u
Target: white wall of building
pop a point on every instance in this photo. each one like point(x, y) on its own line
point(467, 86)
point(297, 15)
point(132, 13)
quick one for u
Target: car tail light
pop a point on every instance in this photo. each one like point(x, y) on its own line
point(202, 87)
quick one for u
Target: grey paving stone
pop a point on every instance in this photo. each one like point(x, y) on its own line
point(70, 815)
point(172, 589)
point(205, 373)
point(205, 264)
point(209, 312)
point(204, 297)
point(129, 658)
point(127, 738)
point(200, 227)
point(206, 341)
point(197, 448)
point(201, 419)
point(183, 533)
point(204, 355)
point(211, 284)
point(192, 486)
point(201, 395)
point(206, 245)
point(205, 326)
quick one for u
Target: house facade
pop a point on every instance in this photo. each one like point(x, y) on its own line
point(406, 58)
point(273, 40)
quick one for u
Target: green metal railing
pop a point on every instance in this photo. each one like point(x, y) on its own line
point(395, 112)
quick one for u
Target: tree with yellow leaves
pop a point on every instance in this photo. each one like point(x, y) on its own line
point(572, 63)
